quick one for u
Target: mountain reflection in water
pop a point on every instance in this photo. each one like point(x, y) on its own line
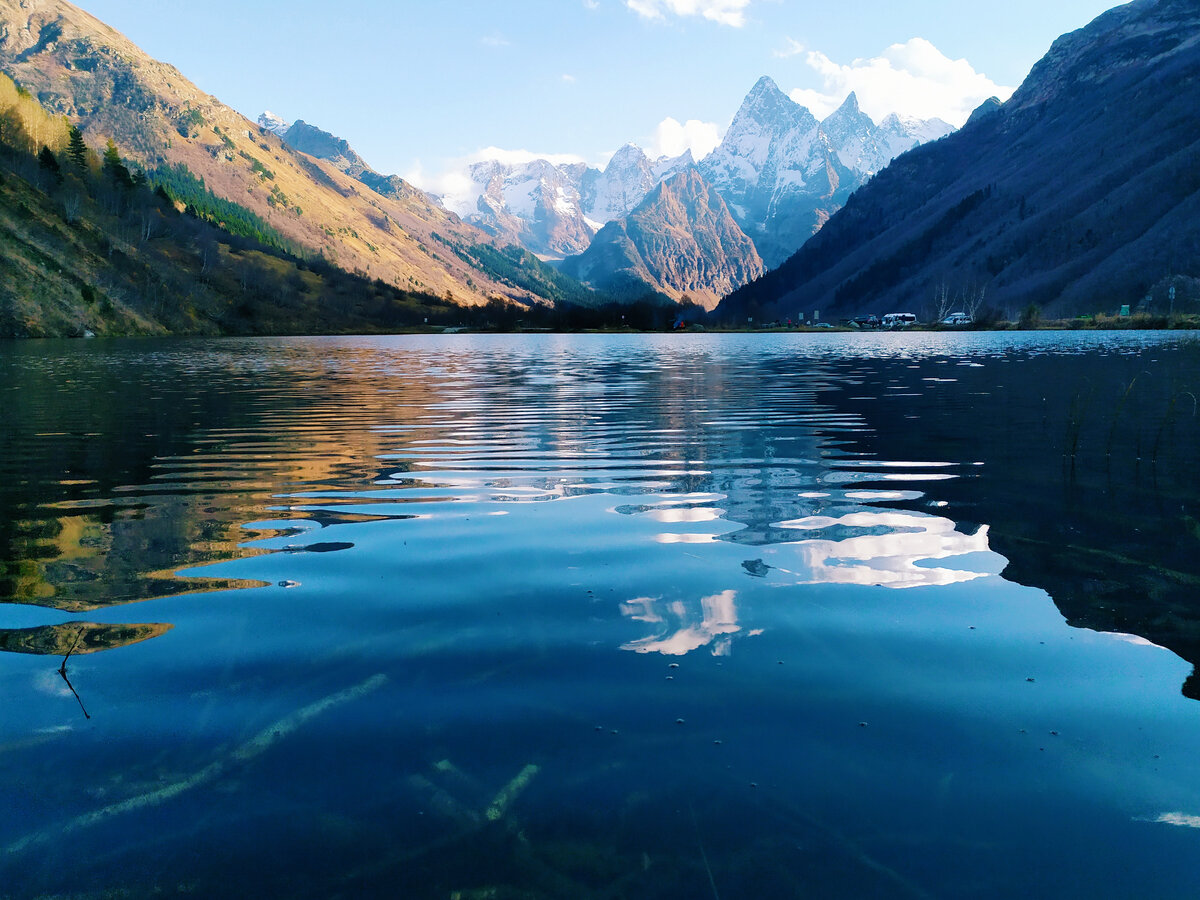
point(128, 465)
point(538, 615)
point(75, 638)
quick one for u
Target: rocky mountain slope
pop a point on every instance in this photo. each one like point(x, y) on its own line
point(313, 141)
point(1081, 193)
point(681, 241)
point(783, 173)
point(78, 67)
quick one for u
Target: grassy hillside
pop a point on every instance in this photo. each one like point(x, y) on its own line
point(89, 244)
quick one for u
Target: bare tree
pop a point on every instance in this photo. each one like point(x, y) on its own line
point(147, 229)
point(973, 300)
point(941, 297)
point(72, 204)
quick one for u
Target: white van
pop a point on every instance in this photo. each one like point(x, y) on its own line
point(898, 320)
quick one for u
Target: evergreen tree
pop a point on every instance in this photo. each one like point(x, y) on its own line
point(49, 163)
point(76, 147)
point(114, 168)
point(112, 157)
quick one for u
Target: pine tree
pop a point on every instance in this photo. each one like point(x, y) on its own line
point(112, 157)
point(76, 147)
point(114, 168)
point(49, 164)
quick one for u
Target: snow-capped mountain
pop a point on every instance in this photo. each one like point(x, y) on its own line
point(537, 204)
point(864, 147)
point(780, 170)
point(556, 209)
point(783, 173)
point(274, 123)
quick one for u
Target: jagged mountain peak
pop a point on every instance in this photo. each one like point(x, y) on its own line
point(629, 153)
point(765, 90)
point(850, 104)
point(766, 105)
point(783, 173)
point(848, 119)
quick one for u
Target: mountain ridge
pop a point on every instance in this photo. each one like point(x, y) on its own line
point(782, 172)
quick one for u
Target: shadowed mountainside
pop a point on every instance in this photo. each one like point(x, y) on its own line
point(1079, 194)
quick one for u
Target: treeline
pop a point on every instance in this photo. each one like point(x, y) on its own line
point(640, 315)
point(90, 244)
point(190, 191)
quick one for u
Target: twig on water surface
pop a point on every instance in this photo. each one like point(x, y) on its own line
point(1112, 431)
point(62, 671)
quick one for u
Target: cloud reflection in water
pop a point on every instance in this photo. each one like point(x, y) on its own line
point(677, 631)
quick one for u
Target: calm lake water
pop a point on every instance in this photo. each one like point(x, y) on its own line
point(573, 616)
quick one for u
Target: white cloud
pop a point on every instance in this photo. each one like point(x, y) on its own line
point(591, 4)
point(725, 12)
point(791, 47)
point(912, 79)
point(671, 138)
point(569, 79)
point(495, 40)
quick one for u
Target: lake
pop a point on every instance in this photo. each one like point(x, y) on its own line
point(501, 616)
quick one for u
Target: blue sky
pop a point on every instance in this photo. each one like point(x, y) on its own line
point(417, 87)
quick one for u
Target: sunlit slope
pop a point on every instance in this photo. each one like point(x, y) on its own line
point(77, 66)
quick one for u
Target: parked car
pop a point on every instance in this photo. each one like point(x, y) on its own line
point(865, 321)
point(957, 318)
point(899, 320)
